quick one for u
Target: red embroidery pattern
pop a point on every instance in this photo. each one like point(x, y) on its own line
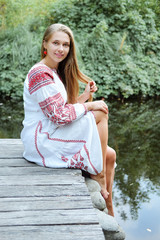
point(76, 161)
point(90, 159)
point(36, 145)
point(39, 77)
point(86, 110)
point(54, 108)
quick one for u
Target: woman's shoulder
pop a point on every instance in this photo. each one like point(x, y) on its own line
point(39, 76)
point(39, 69)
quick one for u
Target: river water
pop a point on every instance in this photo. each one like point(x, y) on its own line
point(134, 132)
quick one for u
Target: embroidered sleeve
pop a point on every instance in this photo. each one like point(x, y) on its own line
point(50, 95)
point(54, 108)
point(39, 77)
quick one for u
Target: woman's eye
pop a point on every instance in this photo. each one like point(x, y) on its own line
point(66, 45)
point(55, 43)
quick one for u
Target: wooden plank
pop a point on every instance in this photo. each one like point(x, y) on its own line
point(36, 170)
point(55, 232)
point(15, 162)
point(45, 203)
point(48, 217)
point(11, 151)
point(42, 203)
point(40, 180)
point(10, 141)
point(11, 148)
point(43, 191)
point(20, 164)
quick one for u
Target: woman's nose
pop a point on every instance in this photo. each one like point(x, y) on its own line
point(60, 48)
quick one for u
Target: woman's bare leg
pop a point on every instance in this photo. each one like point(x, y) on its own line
point(102, 125)
point(110, 169)
point(106, 177)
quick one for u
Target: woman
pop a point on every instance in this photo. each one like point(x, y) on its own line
point(61, 129)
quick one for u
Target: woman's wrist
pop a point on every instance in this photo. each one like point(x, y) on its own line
point(88, 106)
point(86, 94)
point(83, 97)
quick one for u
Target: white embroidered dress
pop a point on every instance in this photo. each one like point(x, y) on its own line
point(57, 134)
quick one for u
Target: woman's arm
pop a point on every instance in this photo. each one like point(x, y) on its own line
point(45, 92)
point(99, 105)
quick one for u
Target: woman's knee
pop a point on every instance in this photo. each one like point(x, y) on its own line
point(99, 116)
point(111, 155)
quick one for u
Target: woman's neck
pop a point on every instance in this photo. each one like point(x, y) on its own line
point(48, 64)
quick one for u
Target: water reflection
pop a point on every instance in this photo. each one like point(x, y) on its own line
point(11, 114)
point(147, 226)
point(135, 134)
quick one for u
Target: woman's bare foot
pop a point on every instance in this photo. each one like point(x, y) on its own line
point(101, 180)
point(105, 194)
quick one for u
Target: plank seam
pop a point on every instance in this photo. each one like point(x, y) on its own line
point(64, 224)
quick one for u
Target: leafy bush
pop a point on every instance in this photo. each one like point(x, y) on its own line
point(19, 51)
point(14, 13)
point(119, 71)
point(118, 43)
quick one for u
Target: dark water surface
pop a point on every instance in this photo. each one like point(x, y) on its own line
point(134, 132)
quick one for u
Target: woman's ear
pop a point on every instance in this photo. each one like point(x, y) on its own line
point(44, 44)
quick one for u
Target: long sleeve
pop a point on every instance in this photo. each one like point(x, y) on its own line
point(48, 91)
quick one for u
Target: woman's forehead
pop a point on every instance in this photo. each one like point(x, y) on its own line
point(61, 36)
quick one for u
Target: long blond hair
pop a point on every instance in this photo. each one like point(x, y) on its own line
point(68, 69)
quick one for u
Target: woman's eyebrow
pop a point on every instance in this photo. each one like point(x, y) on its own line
point(61, 41)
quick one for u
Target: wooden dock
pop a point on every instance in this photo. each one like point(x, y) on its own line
point(38, 203)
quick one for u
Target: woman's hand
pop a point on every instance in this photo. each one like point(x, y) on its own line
point(90, 88)
point(97, 106)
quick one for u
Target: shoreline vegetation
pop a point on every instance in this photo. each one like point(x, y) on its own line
point(118, 44)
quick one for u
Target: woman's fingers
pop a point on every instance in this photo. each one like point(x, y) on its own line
point(104, 107)
point(93, 87)
point(101, 105)
point(87, 88)
point(97, 106)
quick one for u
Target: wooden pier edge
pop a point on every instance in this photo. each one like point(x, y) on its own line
point(42, 203)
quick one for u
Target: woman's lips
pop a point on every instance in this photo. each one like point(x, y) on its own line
point(59, 55)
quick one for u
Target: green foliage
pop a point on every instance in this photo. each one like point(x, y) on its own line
point(119, 71)
point(14, 13)
point(118, 42)
point(19, 51)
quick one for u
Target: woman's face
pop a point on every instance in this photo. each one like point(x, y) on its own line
point(57, 47)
